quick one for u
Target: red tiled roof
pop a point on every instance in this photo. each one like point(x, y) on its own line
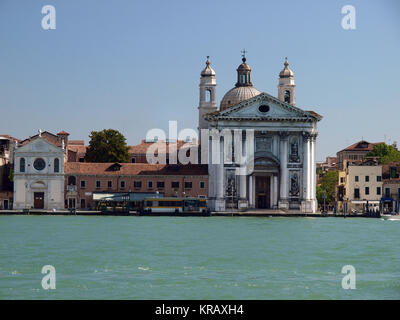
point(143, 146)
point(361, 146)
point(48, 136)
point(8, 137)
point(77, 148)
point(87, 168)
point(63, 132)
point(76, 142)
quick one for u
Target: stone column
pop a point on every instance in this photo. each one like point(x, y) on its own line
point(307, 183)
point(220, 200)
point(313, 197)
point(283, 199)
point(243, 192)
point(275, 188)
point(306, 166)
point(251, 192)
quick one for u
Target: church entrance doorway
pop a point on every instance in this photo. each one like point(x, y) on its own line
point(38, 202)
point(71, 203)
point(263, 192)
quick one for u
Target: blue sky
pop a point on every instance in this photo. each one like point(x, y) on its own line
point(134, 65)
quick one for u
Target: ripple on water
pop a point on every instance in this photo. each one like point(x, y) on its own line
point(198, 258)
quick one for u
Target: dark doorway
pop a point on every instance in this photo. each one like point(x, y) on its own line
point(38, 202)
point(263, 192)
point(71, 203)
point(5, 204)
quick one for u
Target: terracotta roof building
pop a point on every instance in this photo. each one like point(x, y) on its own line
point(85, 181)
point(354, 153)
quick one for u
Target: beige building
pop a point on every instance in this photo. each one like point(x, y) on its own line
point(359, 187)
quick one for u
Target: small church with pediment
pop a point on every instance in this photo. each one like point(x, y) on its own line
point(39, 172)
point(282, 174)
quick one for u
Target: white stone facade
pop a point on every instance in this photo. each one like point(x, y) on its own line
point(39, 176)
point(280, 170)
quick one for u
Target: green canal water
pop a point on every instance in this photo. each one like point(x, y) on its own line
point(198, 258)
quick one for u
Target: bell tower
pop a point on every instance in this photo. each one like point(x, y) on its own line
point(286, 86)
point(208, 99)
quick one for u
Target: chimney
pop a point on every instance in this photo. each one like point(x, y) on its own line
point(63, 136)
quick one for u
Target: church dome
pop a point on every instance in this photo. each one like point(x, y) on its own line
point(237, 95)
point(286, 72)
point(208, 71)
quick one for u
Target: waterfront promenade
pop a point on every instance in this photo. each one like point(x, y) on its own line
point(235, 213)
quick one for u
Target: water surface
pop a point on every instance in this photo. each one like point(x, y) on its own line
point(198, 258)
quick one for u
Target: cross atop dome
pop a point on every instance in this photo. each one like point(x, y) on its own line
point(243, 55)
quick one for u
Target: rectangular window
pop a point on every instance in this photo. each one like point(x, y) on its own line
point(366, 178)
point(387, 192)
point(202, 185)
point(98, 184)
point(122, 184)
point(175, 184)
point(160, 184)
point(378, 178)
point(188, 185)
point(150, 184)
point(133, 160)
point(378, 190)
point(356, 178)
point(137, 184)
point(341, 180)
point(356, 193)
point(83, 184)
point(366, 190)
point(109, 184)
point(83, 203)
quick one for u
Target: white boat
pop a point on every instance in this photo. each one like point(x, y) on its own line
point(390, 216)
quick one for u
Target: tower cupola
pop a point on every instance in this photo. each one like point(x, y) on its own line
point(286, 86)
point(208, 99)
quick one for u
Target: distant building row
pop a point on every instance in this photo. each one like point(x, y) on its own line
point(49, 173)
point(369, 186)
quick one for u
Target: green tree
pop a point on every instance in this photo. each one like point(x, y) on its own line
point(11, 175)
point(326, 187)
point(385, 153)
point(108, 145)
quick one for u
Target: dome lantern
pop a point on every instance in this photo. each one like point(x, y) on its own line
point(243, 73)
point(243, 89)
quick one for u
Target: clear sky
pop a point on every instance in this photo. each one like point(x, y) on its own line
point(134, 65)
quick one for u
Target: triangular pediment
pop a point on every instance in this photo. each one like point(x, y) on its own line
point(264, 107)
point(39, 145)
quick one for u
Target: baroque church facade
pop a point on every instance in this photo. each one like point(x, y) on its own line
point(280, 165)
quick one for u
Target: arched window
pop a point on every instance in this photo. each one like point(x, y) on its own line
point(208, 95)
point(287, 96)
point(71, 181)
point(22, 165)
point(56, 165)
